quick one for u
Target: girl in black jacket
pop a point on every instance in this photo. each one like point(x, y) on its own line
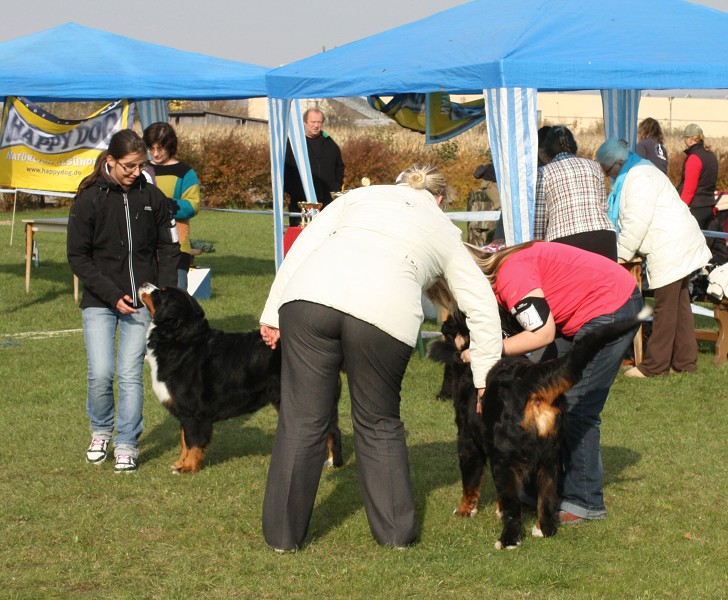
point(121, 234)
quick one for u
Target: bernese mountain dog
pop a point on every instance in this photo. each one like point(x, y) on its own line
point(203, 375)
point(520, 430)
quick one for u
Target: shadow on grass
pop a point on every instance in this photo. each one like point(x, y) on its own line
point(231, 439)
point(50, 272)
point(616, 459)
point(234, 439)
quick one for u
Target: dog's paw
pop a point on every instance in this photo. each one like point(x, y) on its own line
point(536, 532)
point(465, 512)
point(329, 463)
point(499, 546)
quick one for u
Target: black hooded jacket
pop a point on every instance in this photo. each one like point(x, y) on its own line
point(118, 240)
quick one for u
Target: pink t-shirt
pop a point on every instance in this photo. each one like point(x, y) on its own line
point(578, 285)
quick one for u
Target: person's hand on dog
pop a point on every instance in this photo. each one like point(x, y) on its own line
point(465, 355)
point(125, 305)
point(270, 335)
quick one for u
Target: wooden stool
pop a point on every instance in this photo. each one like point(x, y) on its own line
point(720, 312)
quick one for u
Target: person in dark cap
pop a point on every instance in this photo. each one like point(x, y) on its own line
point(699, 176)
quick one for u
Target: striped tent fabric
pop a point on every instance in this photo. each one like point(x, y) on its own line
point(620, 114)
point(512, 120)
point(286, 121)
point(152, 111)
point(278, 110)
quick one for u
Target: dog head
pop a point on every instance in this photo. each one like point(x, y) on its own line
point(170, 304)
point(456, 335)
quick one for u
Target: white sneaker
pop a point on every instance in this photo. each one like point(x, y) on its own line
point(635, 372)
point(97, 451)
point(125, 464)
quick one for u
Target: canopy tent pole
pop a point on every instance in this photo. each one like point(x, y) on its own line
point(152, 111)
point(286, 121)
point(620, 109)
point(513, 136)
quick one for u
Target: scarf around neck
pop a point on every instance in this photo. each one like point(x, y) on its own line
point(614, 196)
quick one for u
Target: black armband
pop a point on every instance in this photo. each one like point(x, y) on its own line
point(531, 313)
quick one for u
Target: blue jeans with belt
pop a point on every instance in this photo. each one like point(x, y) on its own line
point(580, 488)
point(99, 332)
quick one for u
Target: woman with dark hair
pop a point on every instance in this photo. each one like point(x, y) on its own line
point(651, 144)
point(121, 234)
point(571, 198)
point(349, 294)
point(179, 182)
point(558, 293)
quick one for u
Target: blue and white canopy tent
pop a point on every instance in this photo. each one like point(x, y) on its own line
point(72, 63)
point(510, 51)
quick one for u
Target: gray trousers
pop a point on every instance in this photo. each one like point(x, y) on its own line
point(317, 342)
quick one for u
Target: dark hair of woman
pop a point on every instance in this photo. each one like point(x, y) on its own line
point(542, 133)
point(649, 129)
point(121, 144)
point(162, 134)
point(559, 139)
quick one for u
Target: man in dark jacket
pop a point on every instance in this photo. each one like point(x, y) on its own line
point(327, 166)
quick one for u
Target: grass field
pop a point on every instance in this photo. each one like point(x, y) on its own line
point(73, 530)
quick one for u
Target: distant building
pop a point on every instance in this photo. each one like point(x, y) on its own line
point(207, 118)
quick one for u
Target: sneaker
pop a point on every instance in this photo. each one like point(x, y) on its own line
point(97, 451)
point(567, 518)
point(125, 464)
point(635, 372)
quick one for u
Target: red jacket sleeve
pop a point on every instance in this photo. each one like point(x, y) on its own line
point(693, 166)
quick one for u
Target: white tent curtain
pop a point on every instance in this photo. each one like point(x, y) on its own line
point(620, 114)
point(152, 111)
point(513, 136)
point(286, 121)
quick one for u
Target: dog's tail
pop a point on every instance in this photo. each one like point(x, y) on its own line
point(565, 372)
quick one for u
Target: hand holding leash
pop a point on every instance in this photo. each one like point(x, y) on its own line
point(125, 305)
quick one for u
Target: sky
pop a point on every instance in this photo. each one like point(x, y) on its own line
point(263, 32)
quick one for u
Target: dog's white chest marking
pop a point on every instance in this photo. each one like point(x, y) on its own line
point(159, 387)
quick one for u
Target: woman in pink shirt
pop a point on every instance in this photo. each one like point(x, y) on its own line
point(558, 293)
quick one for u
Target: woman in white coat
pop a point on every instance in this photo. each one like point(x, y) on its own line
point(653, 222)
point(349, 295)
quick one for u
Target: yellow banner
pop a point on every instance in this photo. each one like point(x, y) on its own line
point(433, 114)
point(40, 151)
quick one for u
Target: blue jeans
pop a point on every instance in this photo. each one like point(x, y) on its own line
point(99, 332)
point(580, 489)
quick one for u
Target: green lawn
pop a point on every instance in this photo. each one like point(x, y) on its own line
point(73, 530)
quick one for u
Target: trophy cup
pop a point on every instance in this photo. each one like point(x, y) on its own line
point(308, 211)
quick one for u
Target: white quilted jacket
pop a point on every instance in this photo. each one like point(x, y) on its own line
point(656, 224)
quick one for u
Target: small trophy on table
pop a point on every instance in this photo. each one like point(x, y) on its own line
point(308, 211)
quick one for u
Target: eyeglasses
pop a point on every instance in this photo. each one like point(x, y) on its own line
point(131, 168)
point(609, 170)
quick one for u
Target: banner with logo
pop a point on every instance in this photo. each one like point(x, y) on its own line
point(433, 114)
point(39, 151)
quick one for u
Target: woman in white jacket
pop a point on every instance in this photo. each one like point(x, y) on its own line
point(349, 295)
point(653, 222)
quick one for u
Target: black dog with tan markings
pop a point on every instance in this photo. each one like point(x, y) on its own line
point(203, 375)
point(520, 428)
